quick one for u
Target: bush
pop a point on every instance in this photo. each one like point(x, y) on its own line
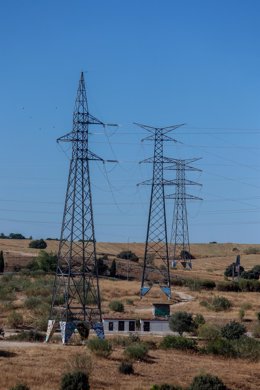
point(100, 347)
point(247, 348)
point(178, 342)
point(75, 381)
point(136, 351)
point(45, 261)
point(256, 331)
point(252, 251)
point(20, 386)
point(258, 316)
point(166, 386)
point(249, 275)
point(233, 330)
point(80, 362)
point(222, 347)
point(126, 368)
point(218, 304)
point(112, 270)
point(232, 270)
point(116, 306)
point(31, 336)
point(228, 286)
point(209, 332)
point(207, 382)
point(32, 303)
point(128, 255)
point(246, 285)
point(38, 244)
point(2, 262)
point(199, 320)
point(15, 319)
point(181, 321)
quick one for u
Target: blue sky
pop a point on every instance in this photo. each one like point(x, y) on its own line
point(155, 62)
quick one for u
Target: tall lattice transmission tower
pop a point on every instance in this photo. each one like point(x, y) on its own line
point(76, 296)
point(179, 243)
point(156, 254)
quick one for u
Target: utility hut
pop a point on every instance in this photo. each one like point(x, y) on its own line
point(161, 309)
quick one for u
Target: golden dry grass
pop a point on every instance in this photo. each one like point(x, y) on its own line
point(42, 366)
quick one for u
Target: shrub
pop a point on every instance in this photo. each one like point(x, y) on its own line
point(247, 348)
point(233, 330)
point(38, 244)
point(199, 320)
point(126, 368)
point(80, 362)
point(112, 270)
point(2, 262)
point(15, 319)
point(136, 351)
point(258, 316)
point(75, 381)
point(31, 335)
point(252, 251)
point(256, 331)
point(32, 303)
point(216, 303)
point(178, 342)
point(45, 261)
point(181, 321)
point(116, 306)
point(222, 347)
point(20, 386)
point(249, 275)
point(100, 347)
point(100, 267)
point(207, 382)
point(241, 314)
point(228, 286)
point(256, 269)
point(249, 285)
point(209, 332)
point(128, 255)
point(232, 270)
point(166, 386)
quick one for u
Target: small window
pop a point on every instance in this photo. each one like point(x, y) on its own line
point(121, 325)
point(131, 326)
point(146, 326)
point(111, 326)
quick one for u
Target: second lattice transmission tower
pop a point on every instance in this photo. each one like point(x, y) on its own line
point(179, 243)
point(156, 256)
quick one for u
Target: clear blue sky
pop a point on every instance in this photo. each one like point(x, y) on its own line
point(155, 62)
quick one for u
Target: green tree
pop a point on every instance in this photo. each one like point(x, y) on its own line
point(2, 262)
point(181, 321)
point(45, 261)
point(113, 269)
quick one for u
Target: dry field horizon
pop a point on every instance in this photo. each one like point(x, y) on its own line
point(40, 366)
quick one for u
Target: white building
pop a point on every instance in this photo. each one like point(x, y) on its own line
point(154, 326)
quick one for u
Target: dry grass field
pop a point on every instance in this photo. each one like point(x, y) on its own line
point(40, 366)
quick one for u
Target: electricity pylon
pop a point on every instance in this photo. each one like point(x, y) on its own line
point(156, 245)
point(180, 245)
point(76, 296)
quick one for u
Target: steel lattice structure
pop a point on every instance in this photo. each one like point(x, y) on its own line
point(156, 244)
point(180, 245)
point(76, 296)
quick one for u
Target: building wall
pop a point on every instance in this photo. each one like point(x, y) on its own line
point(146, 326)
